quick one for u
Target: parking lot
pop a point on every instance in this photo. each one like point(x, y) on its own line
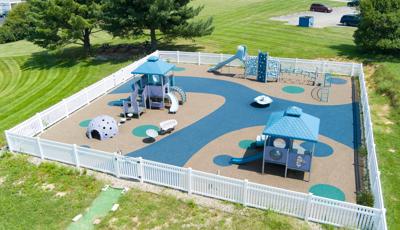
point(321, 20)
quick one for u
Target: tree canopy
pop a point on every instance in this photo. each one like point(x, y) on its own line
point(60, 22)
point(379, 29)
point(16, 24)
point(171, 18)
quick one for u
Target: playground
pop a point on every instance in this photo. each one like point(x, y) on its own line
point(220, 119)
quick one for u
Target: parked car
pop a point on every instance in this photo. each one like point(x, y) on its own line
point(353, 3)
point(350, 20)
point(317, 7)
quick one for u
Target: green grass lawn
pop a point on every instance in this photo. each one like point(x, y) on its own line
point(31, 80)
point(42, 197)
point(141, 210)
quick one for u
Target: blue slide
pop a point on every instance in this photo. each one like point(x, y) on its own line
point(245, 160)
point(240, 54)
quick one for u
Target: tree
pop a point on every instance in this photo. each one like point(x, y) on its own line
point(172, 18)
point(379, 28)
point(60, 22)
point(16, 25)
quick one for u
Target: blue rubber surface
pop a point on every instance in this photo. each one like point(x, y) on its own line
point(236, 113)
point(222, 160)
point(321, 149)
point(245, 160)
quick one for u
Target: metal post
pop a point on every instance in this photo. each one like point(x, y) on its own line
point(308, 206)
point(177, 57)
point(245, 185)
point(75, 149)
point(141, 171)
point(189, 181)
point(40, 148)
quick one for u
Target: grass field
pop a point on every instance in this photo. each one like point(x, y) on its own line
point(42, 197)
point(31, 80)
point(137, 211)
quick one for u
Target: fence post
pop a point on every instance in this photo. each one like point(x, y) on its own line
point(39, 117)
point(245, 185)
point(308, 206)
point(40, 148)
point(323, 67)
point(352, 69)
point(141, 171)
point(221, 57)
point(10, 148)
point(66, 108)
point(198, 58)
point(76, 155)
point(116, 165)
point(87, 96)
point(295, 63)
point(189, 181)
point(177, 57)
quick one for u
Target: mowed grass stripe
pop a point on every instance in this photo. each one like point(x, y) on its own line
point(46, 86)
point(10, 70)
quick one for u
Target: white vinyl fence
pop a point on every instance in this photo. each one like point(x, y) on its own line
point(340, 68)
point(306, 206)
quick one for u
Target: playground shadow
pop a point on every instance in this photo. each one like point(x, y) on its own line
point(71, 56)
point(269, 169)
point(353, 52)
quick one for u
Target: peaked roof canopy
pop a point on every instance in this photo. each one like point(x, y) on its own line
point(293, 124)
point(154, 66)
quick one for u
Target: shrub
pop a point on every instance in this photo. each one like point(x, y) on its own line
point(6, 35)
point(365, 198)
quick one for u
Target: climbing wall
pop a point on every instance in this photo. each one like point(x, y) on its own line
point(262, 67)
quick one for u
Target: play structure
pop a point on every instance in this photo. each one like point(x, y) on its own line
point(285, 127)
point(263, 67)
point(153, 88)
point(299, 76)
point(102, 127)
point(282, 130)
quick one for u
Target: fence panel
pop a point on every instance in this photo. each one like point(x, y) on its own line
point(166, 175)
point(128, 167)
point(279, 200)
point(76, 102)
point(343, 214)
point(30, 127)
point(96, 160)
point(211, 185)
point(23, 144)
point(53, 114)
point(58, 151)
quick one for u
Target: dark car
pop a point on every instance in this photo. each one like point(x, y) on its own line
point(350, 20)
point(317, 7)
point(353, 3)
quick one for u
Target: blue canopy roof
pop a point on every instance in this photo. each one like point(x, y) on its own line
point(293, 124)
point(154, 66)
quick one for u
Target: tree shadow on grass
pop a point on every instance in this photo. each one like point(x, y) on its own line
point(355, 53)
point(101, 54)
